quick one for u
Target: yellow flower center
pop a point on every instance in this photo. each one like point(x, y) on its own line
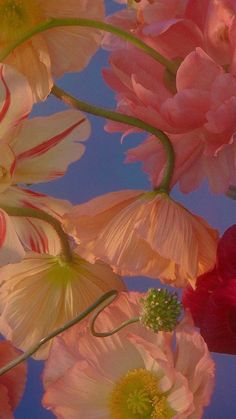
point(137, 396)
point(17, 17)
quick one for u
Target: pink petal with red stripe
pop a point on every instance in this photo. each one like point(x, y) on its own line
point(13, 87)
point(11, 250)
point(46, 146)
point(35, 234)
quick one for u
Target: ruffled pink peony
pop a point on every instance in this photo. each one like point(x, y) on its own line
point(213, 302)
point(141, 233)
point(199, 118)
point(134, 373)
point(12, 383)
point(196, 108)
point(163, 24)
point(176, 27)
point(56, 51)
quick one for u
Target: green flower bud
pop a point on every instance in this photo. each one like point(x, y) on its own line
point(160, 310)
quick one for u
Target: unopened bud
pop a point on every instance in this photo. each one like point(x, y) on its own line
point(160, 310)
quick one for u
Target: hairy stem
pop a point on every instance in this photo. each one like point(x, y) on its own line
point(106, 298)
point(41, 215)
point(125, 119)
point(89, 23)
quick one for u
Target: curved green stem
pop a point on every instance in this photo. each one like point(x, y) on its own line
point(89, 23)
point(41, 215)
point(113, 331)
point(108, 297)
point(125, 119)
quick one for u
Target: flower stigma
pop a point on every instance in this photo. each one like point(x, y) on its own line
point(137, 396)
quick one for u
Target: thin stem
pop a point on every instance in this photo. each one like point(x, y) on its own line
point(113, 331)
point(125, 119)
point(41, 215)
point(108, 297)
point(89, 23)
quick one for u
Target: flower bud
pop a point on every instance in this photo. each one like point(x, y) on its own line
point(160, 310)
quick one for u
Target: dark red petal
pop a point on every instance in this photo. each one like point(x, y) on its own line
point(197, 300)
point(14, 380)
point(226, 254)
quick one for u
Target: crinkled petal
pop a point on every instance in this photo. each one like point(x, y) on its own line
point(32, 60)
point(60, 292)
point(75, 394)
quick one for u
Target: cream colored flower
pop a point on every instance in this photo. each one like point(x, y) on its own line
point(54, 52)
point(43, 292)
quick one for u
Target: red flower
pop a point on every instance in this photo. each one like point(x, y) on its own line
point(12, 383)
point(213, 302)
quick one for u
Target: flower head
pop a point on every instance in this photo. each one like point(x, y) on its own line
point(53, 52)
point(61, 291)
point(213, 302)
point(196, 112)
point(141, 233)
point(133, 374)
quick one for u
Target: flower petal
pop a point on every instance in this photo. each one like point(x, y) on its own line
point(11, 250)
point(35, 234)
point(12, 108)
point(52, 147)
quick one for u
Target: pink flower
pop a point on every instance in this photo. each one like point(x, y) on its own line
point(141, 233)
point(52, 147)
point(204, 140)
point(134, 373)
point(56, 51)
point(213, 302)
point(12, 383)
point(164, 25)
point(196, 109)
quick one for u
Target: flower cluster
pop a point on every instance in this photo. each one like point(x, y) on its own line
point(195, 105)
point(172, 66)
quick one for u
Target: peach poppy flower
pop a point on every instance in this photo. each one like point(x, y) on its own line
point(54, 52)
point(132, 374)
point(12, 383)
point(147, 234)
point(32, 151)
point(61, 291)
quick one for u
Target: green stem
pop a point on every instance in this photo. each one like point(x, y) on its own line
point(89, 23)
point(125, 119)
point(113, 331)
point(108, 297)
point(41, 215)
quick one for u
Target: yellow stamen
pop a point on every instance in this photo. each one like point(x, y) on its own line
point(137, 396)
